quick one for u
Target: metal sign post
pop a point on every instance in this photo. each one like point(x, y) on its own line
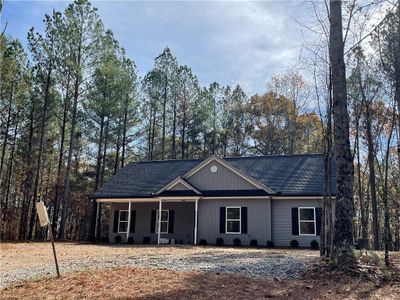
point(44, 220)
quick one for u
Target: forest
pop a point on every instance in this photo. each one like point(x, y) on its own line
point(74, 111)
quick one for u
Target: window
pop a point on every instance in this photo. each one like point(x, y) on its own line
point(123, 221)
point(307, 224)
point(233, 220)
point(164, 221)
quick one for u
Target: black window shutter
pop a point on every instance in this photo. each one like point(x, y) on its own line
point(133, 221)
point(222, 217)
point(171, 222)
point(318, 215)
point(295, 221)
point(244, 220)
point(153, 221)
point(116, 219)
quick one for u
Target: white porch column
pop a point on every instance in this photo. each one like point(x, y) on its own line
point(159, 222)
point(129, 221)
point(196, 206)
point(97, 218)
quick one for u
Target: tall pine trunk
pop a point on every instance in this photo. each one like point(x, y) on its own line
point(97, 179)
point(39, 162)
point(11, 163)
point(343, 242)
point(372, 180)
point(60, 157)
point(327, 224)
point(103, 167)
point(125, 126)
point(72, 143)
point(164, 117)
point(364, 218)
point(8, 123)
point(173, 147)
point(118, 146)
point(28, 178)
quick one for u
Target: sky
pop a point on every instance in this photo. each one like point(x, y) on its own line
point(225, 41)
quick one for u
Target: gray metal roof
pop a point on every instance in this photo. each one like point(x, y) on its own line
point(292, 175)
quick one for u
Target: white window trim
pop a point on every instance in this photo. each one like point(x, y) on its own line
point(240, 219)
point(308, 221)
point(164, 232)
point(119, 221)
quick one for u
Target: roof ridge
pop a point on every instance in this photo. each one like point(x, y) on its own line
point(165, 160)
point(273, 155)
point(229, 157)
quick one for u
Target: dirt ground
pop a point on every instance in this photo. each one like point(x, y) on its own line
point(141, 283)
point(22, 255)
point(130, 283)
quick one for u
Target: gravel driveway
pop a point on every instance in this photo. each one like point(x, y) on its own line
point(22, 261)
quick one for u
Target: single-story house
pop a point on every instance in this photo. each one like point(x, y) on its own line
point(265, 198)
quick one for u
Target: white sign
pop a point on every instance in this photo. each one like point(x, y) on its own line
point(42, 213)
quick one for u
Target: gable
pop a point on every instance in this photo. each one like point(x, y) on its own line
point(178, 184)
point(179, 187)
point(223, 179)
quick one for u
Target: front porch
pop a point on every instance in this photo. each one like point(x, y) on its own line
point(139, 219)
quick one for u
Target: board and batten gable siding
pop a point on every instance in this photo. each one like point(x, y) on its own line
point(282, 222)
point(223, 179)
point(183, 221)
point(258, 220)
point(179, 187)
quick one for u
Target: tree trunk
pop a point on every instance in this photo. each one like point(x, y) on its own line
point(97, 180)
point(72, 142)
point(386, 228)
point(116, 163)
point(342, 255)
point(183, 136)
point(372, 180)
point(8, 122)
point(364, 222)
point(153, 135)
point(164, 116)
point(60, 159)
point(45, 108)
point(327, 230)
point(28, 178)
point(173, 147)
point(124, 136)
point(11, 164)
point(99, 150)
point(103, 167)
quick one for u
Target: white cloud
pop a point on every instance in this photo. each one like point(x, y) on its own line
point(228, 42)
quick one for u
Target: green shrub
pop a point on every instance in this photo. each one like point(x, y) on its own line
point(294, 244)
point(118, 239)
point(220, 241)
point(105, 240)
point(253, 243)
point(130, 240)
point(270, 244)
point(146, 240)
point(314, 244)
point(237, 242)
point(203, 242)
